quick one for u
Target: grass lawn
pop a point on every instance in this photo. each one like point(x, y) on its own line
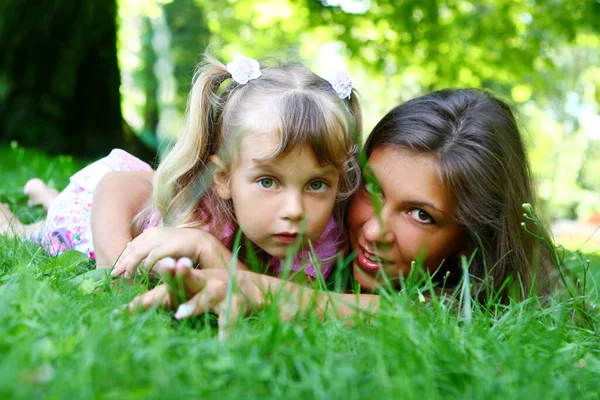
point(60, 338)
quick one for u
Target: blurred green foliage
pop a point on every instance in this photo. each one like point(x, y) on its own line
point(186, 20)
point(541, 56)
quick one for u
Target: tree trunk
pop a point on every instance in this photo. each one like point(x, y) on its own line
point(59, 78)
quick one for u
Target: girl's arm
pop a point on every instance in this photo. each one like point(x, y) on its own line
point(117, 199)
point(158, 243)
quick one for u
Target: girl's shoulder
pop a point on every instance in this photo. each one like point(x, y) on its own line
point(117, 160)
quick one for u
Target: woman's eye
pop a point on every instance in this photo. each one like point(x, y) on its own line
point(266, 183)
point(373, 189)
point(317, 186)
point(421, 216)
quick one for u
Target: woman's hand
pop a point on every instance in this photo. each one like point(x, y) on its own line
point(157, 243)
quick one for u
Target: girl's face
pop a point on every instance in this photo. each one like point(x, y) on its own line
point(278, 200)
point(416, 220)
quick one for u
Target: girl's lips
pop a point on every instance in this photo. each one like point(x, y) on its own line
point(286, 238)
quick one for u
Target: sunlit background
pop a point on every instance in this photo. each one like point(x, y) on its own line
point(63, 64)
point(541, 56)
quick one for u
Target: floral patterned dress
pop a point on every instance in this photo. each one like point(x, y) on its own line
point(68, 223)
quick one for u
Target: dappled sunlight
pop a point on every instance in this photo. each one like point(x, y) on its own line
point(392, 54)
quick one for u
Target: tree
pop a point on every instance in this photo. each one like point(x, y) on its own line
point(59, 77)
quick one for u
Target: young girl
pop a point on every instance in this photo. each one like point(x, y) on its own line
point(452, 176)
point(268, 149)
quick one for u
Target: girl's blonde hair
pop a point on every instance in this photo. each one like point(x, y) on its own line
point(288, 100)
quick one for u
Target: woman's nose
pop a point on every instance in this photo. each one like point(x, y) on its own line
point(375, 230)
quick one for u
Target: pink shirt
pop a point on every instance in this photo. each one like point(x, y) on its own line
point(68, 224)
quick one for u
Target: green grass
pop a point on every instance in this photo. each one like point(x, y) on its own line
point(60, 338)
point(18, 165)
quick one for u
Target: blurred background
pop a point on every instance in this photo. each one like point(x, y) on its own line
point(81, 77)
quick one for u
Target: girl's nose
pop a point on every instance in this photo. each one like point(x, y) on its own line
point(293, 207)
point(376, 231)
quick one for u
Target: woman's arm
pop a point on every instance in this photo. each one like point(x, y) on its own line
point(119, 196)
point(294, 299)
point(207, 291)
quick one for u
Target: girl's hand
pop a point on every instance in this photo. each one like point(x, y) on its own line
point(157, 243)
point(205, 290)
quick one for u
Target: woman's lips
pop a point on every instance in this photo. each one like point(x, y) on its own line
point(367, 261)
point(366, 264)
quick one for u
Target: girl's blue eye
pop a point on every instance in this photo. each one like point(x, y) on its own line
point(267, 183)
point(317, 186)
point(421, 216)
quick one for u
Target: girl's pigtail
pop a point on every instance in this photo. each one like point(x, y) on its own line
point(354, 106)
point(352, 170)
point(177, 179)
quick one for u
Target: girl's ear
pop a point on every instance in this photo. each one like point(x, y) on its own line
point(221, 177)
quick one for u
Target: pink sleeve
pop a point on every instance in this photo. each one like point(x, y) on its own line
point(224, 230)
point(154, 221)
point(326, 249)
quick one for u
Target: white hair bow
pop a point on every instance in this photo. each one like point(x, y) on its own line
point(243, 69)
point(341, 83)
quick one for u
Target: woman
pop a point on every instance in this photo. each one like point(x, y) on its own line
point(447, 176)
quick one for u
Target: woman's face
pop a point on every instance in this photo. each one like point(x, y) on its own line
point(416, 218)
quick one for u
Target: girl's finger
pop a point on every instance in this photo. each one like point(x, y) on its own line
point(167, 263)
point(129, 259)
point(194, 280)
point(229, 315)
point(166, 269)
point(159, 296)
point(153, 257)
point(184, 262)
point(204, 301)
point(121, 264)
point(134, 254)
point(131, 269)
point(162, 253)
point(137, 255)
point(117, 270)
